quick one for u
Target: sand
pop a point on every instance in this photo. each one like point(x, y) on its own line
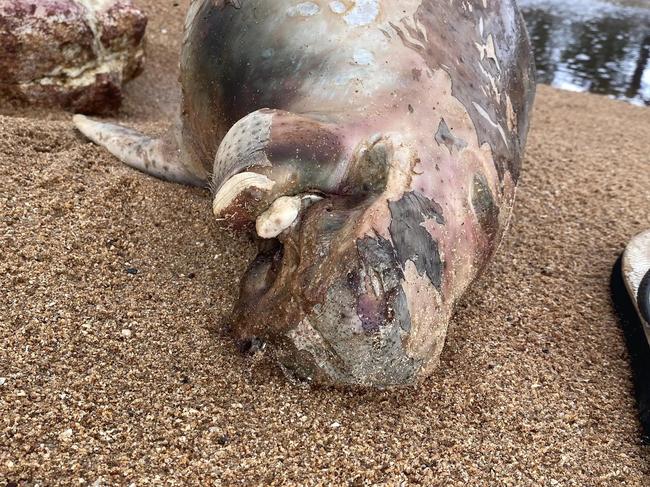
point(112, 377)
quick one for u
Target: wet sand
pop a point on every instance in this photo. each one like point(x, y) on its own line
point(111, 377)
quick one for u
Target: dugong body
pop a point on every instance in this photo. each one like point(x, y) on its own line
point(375, 144)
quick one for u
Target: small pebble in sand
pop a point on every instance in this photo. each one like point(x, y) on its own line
point(67, 434)
point(2, 381)
point(126, 333)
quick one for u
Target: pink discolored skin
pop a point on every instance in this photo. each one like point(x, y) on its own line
point(73, 54)
point(394, 131)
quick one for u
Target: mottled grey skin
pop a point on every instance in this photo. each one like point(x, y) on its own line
point(408, 119)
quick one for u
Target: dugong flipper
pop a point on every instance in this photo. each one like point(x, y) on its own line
point(159, 157)
point(376, 146)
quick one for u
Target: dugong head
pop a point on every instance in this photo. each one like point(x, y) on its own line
point(334, 289)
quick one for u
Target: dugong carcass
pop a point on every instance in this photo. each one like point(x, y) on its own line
point(375, 145)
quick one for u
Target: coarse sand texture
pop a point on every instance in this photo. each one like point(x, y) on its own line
point(116, 367)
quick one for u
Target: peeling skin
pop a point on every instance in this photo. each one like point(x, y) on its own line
point(488, 50)
point(512, 116)
point(402, 129)
point(483, 113)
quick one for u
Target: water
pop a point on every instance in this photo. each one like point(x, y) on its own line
point(591, 45)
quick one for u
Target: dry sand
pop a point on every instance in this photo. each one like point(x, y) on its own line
point(112, 378)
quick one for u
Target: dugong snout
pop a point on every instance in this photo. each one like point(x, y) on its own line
point(334, 305)
point(330, 291)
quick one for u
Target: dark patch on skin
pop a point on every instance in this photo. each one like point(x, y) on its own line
point(412, 241)
point(445, 137)
point(485, 207)
point(379, 255)
point(379, 258)
point(299, 138)
point(425, 207)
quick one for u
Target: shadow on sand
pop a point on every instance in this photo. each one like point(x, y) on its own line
point(637, 346)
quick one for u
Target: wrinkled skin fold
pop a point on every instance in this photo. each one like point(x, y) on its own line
point(375, 146)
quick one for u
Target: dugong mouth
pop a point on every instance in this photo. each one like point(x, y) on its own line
point(332, 304)
point(328, 289)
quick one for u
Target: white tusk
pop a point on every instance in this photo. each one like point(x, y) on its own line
point(237, 185)
point(282, 214)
